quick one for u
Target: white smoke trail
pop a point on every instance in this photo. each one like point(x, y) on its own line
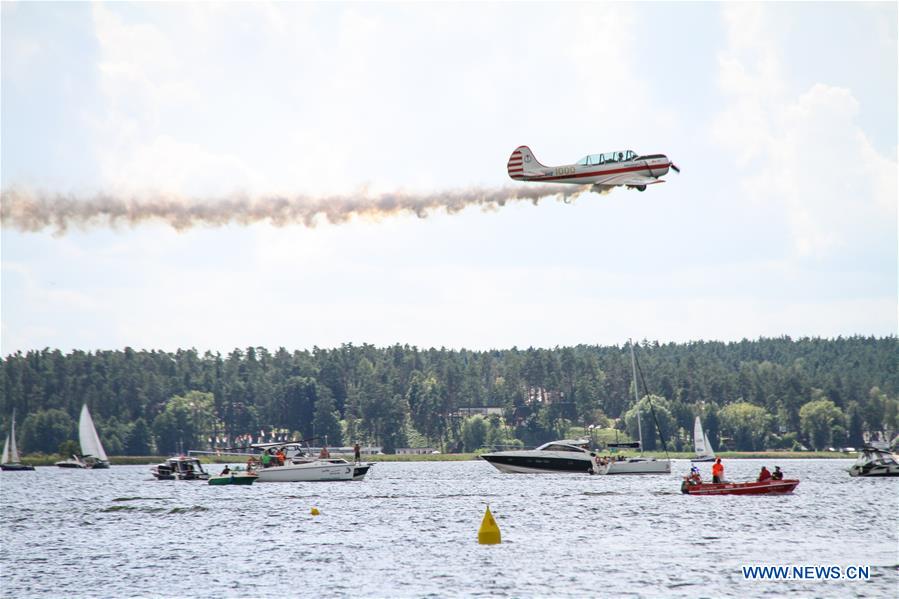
point(31, 211)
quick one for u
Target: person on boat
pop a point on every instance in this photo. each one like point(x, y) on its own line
point(324, 453)
point(266, 459)
point(357, 453)
point(695, 478)
point(281, 456)
point(226, 470)
point(764, 475)
point(778, 475)
point(718, 471)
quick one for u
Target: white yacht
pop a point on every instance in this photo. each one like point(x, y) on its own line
point(875, 461)
point(556, 456)
point(301, 467)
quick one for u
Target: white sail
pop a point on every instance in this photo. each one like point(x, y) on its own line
point(13, 450)
point(698, 438)
point(5, 459)
point(87, 435)
point(701, 445)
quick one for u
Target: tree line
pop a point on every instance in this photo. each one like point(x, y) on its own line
point(751, 395)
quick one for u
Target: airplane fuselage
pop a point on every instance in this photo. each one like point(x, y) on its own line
point(648, 166)
point(601, 170)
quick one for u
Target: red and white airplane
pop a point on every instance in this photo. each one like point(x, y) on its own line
point(603, 171)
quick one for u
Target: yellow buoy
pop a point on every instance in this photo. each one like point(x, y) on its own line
point(488, 534)
point(315, 511)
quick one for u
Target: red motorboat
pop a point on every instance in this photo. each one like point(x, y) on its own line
point(765, 487)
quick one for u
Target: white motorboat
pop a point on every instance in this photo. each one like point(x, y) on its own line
point(72, 462)
point(875, 461)
point(180, 468)
point(92, 453)
point(10, 459)
point(300, 467)
point(556, 456)
point(633, 465)
point(701, 444)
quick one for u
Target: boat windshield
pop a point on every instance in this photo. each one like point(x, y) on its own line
point(608, 157)
point(560, 447)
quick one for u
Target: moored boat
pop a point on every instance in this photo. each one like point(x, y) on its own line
point(765, 487)
point(875, 461)
point(632, 465)
point(72, 462)
point(234, 476)
point(298, 466)
point(93, 456)
point(640, 464)
point(10, 461)
point(566, 455)
point(180, 468)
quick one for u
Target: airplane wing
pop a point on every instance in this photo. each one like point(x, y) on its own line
point(631, 179)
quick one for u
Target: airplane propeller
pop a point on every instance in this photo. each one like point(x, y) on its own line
point(674, 168)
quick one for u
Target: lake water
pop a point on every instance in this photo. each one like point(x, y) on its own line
point(410, 530)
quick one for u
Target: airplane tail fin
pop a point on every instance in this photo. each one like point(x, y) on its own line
point(521, 161)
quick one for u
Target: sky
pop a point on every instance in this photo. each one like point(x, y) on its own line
point(781, 116)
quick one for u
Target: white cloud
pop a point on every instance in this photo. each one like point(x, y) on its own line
point(144, 75)
point(803, 153)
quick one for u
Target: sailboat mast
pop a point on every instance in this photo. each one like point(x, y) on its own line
point(636, 396)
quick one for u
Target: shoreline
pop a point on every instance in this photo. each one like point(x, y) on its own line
point(463, 457)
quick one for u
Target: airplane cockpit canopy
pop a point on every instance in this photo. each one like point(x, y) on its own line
point(608, 157)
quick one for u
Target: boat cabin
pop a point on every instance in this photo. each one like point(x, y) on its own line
point(607, 158)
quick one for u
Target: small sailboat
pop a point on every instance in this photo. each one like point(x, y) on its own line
point(92, 452)
point(10, 459)
point(639, 464)
point(701, 444)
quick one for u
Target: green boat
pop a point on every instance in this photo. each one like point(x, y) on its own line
point(236, 476)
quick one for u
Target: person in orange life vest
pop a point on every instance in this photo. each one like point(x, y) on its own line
point(718, 471)
point(764, 475)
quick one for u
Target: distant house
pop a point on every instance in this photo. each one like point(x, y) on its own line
point(414, 450)
point(479, 411)
point(543, 395)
